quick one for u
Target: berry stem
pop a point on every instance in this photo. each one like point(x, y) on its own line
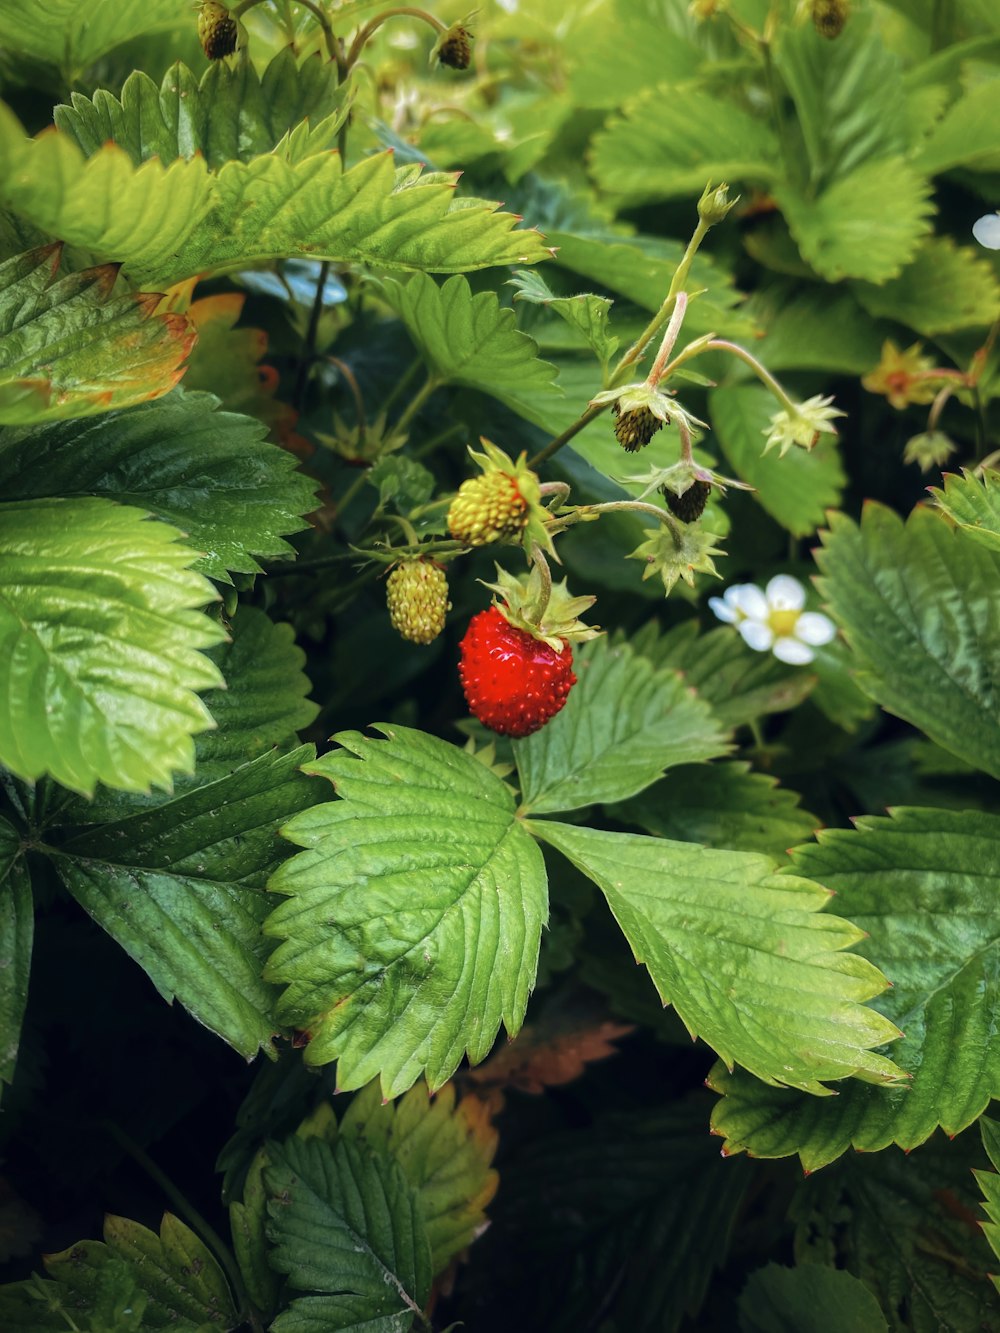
point(373, 25)
point(669, 338)
point(321, 19)
point(416, 402)
point(762, 373)
point(633, 507)
point(545, 589)
point(683, 430)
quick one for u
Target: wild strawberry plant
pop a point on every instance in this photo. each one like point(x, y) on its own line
point(310, 448)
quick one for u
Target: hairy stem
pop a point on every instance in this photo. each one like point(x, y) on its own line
point(669, 338)
point(373, 25)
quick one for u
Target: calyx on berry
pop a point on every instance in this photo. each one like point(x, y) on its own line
point(454, 47)
point(503, 504)
point(547, 611)
point(678, 551)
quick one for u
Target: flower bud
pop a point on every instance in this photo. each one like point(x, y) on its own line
point(715, 203)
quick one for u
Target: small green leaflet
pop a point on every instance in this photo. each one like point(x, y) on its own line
point(17, 924)
point(586, 313)
point(925, 887)
point(210, 473)
point(973, 502)
point(809, 1299)
point(918, 605)
point(346, 1225)
point(746, 956)
point(69, 348)
point(414, 916)
point(99, 640)
point(623, 724)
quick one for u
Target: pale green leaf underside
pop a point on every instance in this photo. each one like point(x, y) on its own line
point(181, 889)
point(68, 348)
point(945, 287)
point(99, 640)
point(165, 224)
point(925, 886)
point(17, 922)
point(673, 140)
point(968, 136)
point(471, 339)
point(73, 35)
point(974, 504)
point(919, 606)
point(744, 955)
point(209, 473)
point(230, 114)
point(623, 725)
point(866, 224)
point(809, 1299)
point(795, 490)
point(345, 1221)
point(588, 314)
point(436, 895)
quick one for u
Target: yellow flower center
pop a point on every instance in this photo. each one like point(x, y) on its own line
point(783, 622)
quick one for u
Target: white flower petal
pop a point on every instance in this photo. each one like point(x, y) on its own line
point(785, 593)
point(749, 599)
point(987, 231)
point(815, 628)
point(755, 635)
point(787, 649)
point(727, 613)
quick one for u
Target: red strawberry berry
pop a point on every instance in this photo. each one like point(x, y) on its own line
point(513, 682)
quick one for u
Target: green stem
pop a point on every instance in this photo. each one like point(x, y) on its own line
point(669, 338)
point(635, 507)
point(314, 9)
point(686, 441)
point(356, 485)
point(545, 588)
point(762, 373)
point(373, 25)
point(401, 383)
point(416, 402)
point(308, 354)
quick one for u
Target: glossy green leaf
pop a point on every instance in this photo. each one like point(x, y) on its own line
point(230, 114)
point(17, 924)
point(472, 340)
point(795, 490)
point(724, 806)
point(989, 1183)
point(918, 605)
point(973, 502)
point(968, 135)
point(346, 1222)
point(808, 327)
point(746, 956)
point(427, 967)
point(68, 348)
point(945, 287)
point(73, 36)
point(672, 141)
point(867, 224)
point(445, 1150)
point(181, 889)
point(99, 640)
point(207, 472)
point(587, 314)
point(623, 725)
point(808, 1299)
point(924, 886)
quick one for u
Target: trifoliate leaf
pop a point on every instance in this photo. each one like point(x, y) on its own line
point(743, 954)
point(17, 924)
point(99, 640)
point(918, 605)
point(472, 340)
point(623, 725)
point(968, 135)
point(346, 1225)
point(867, 224)
point(809, 1299)
point(586, 313)
point(724, 806)
point(426, 969)
point(181, 889)
point(973, 502)
point(796, 488)
point(68, 348)
point(73, 36)
point(445, 1150)
point(924, 885)
point(945, 287)
point(209, 473)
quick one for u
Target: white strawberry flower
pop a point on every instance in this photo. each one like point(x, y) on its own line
point(773, 619)
point(987, 231)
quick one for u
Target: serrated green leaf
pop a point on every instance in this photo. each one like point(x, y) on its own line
point(867, 224)
point(918, 605)
point(945, 287)
point(165, 224)
point(968, 136)
point(924, 886)
point(723, 806)
point(744, 955)
point(808, 327)
point(230, 114)
point(99, 644)
point(444, 1149)
point(426, 969)
point(184, 1286)
point(973, 502)
point(68, 348)
point(586, 313)
point(989, 1183)
point(672, 140)
point(17, 922)
point(248, 1223)
point(623, 725)
point(808, 1299)
point(181, 889)
point(345, 1220)
point(207, 472)
point(472, 340)
point(73, 36)
point(796, 490)
point(612, 49)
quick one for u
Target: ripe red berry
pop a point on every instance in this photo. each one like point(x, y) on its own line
point(513, 682)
